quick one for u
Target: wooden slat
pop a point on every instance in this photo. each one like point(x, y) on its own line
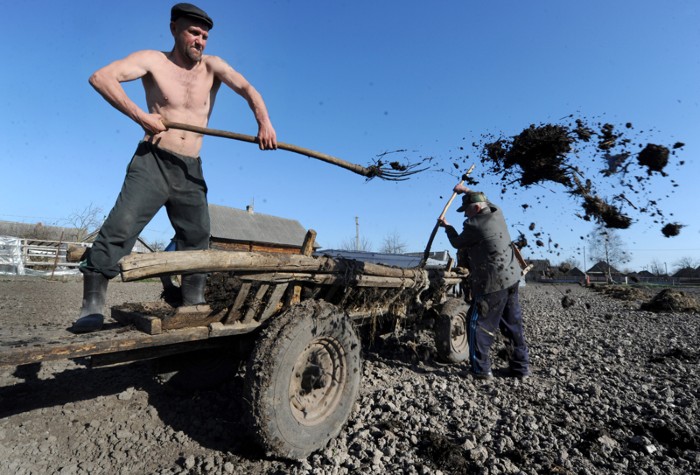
point(90, 345)
point(286, 277)
point(187, 317)
point(255, 304)
point(217, 329)
point(307, 248)
point(235, 313)
point(145, 323)
point(376, 281)
point(272, 303)
point(149, 353)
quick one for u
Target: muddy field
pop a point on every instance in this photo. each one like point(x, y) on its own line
point(615, 390)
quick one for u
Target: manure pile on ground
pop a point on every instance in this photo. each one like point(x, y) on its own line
point(669, 300)
point(625, 292)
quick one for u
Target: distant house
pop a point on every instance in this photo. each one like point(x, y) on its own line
point(245, 230)
point(575, 272)
point(40, 232)
point(541, 270)
point(600, 272)
point(687, 273)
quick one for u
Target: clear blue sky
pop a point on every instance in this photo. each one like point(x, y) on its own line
point(354, 79)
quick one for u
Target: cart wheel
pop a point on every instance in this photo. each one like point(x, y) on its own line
point(451, 339)
point(303, 378)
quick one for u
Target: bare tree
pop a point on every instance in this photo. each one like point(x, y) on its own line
point(354, 244)
point(157, 245)
point(607, 246)
point(86, 221)
point(686, 263)
point(656, 267)
point(569, 263)
point(393, 244)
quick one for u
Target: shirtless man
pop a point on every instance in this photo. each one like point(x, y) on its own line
point(181, 86)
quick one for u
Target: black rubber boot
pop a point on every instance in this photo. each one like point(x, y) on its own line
point(94, 293)
point(171, 292)
point(193, 289)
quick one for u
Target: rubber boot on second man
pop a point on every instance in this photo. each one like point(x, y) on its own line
point(92, 311)
point(192, 289)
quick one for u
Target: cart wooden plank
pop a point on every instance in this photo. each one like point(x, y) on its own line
point(255, 305)
point(235, 313)
point(273, 302)
point(141, 266)
point(111, 340)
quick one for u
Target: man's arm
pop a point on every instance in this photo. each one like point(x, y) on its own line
point(457, 240)
point(107, 81)
point(266, 133)
point(460, 188)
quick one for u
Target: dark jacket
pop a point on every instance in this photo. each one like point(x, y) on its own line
point(486, 242)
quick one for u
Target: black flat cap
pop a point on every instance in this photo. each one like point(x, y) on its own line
point(190, 11)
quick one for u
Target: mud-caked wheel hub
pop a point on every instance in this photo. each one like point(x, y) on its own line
point(317, 380)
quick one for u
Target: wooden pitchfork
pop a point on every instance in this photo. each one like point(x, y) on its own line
point(392, 171)
point(426, 253)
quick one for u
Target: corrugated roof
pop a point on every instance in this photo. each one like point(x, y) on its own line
point(39, 231)
point(239, 225)
point(395, 260)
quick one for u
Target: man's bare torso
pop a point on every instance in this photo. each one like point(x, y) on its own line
point(180, 95)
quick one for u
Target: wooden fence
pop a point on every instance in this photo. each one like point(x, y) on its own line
point(47, 255)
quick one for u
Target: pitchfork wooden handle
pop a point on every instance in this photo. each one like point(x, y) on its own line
point(454, 193)
point(359, 169)
point(426, 253)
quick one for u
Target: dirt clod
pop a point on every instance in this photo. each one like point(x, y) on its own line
point(654, 157)
point(567, 302)
point(671, 229)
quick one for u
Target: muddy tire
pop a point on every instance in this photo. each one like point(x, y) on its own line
point(451, 339)
point(302, 379)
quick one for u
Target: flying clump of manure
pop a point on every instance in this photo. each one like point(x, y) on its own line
point(654, 157)
point(583, 159)
point(671, 229)
point(603, 212)
point(540, 152)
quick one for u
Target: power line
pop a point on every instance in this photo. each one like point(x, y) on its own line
point(664, 250)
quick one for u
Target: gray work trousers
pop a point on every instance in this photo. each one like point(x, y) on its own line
point(154, 178)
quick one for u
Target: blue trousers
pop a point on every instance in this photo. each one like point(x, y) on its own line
point(497, 310)
point(154, 178)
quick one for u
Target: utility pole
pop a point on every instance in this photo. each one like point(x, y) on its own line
point(607, 257)
point(357, 233)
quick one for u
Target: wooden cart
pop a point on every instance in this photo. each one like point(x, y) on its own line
point(303, 372)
